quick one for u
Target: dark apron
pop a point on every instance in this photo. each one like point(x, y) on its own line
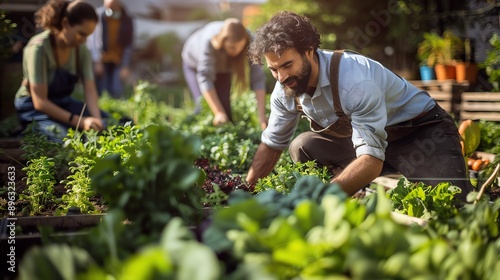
point(342, 128)
point(59, 91)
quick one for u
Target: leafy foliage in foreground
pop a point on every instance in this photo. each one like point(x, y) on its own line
point(343, 239)
point(287, 174)
point(155, 183)
point(170, 258)
point(314, 232)
point(423, 201)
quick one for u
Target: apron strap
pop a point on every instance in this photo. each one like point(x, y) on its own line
point(334, 82)
point(25, 81)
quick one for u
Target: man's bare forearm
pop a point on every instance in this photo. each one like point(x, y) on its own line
point(263, 163)
point(359, 173)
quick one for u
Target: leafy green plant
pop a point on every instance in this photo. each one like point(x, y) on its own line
point(32, 144)
point(40, 183)
point(7, 28)
point(169, 258)
point(490, 137)
point(229, 151)
point(93, 145)
point(436, 49)
point(423, 201)
point(155, 183)
point(492, 62)
point(79, 188)
point(286, 175)
point(216, 198)
point(142, 107)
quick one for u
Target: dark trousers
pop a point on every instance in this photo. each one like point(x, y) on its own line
point(54, 130)
point(222, 87)
point(424, 150)
point(110, 81)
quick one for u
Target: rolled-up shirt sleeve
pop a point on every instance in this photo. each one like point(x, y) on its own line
point(366, 104)
point(282, 123)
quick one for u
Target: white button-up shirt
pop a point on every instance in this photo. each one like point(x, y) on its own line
point(372, 96)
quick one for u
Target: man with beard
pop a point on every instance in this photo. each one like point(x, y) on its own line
point(365, 120)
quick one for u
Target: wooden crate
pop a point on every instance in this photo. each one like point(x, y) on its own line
point(480, 106)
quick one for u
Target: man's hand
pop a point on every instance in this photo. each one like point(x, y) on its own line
point(263, 163)
point(359, 173)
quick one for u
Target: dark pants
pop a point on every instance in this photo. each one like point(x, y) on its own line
point(426, 150)
point(54, 130)
point(110, 81)
point(222, 87)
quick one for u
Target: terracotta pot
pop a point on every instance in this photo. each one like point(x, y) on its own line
point(445, 72)
point(466, 72)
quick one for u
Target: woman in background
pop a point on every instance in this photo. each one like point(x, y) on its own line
point(53, 62)
point(211, 55)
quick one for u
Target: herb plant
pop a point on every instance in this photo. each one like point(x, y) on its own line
point(79, 191)
point(40, 183)
point(156, 182)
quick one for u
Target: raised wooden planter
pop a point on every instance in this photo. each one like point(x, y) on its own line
point(480, 106)
point(19, 234)
point(10, 149)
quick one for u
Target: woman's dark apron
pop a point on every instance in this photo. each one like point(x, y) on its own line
point(59, 92)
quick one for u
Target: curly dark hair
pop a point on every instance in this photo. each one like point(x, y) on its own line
point(284, 30)
point(50, 16)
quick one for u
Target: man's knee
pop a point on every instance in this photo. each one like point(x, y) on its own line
point(300, 148)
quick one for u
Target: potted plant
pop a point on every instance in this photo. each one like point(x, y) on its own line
point(441, 52)
point(426, 70)
point(467, 70)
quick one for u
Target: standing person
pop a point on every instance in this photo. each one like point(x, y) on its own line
point(53, 62)
point(364, 118)
point(211, 55)
point(111, 48)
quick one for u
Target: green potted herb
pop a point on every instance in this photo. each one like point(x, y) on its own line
point(441, 52)
point(426, 69)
